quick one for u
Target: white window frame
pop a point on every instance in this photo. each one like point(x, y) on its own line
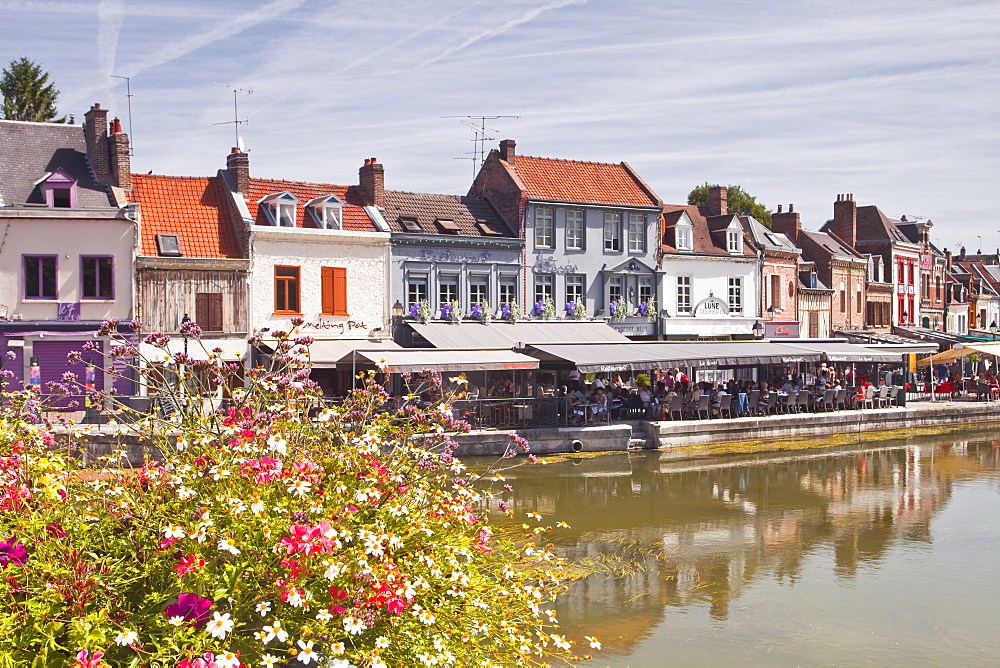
point(734, 241)
point(612, 232)
point(545, 286)
point(645, 288)
point(507, 289)
point(637, 233)
point(280, 209)
point(578, 283)
point(616, 289)
point(416, 283)
point(576, 229)
point(327, 212)
point(736, 295)
point(684, 287)
point(446, 281)
point(544, 227)
point(479, 288)
point(684, 234)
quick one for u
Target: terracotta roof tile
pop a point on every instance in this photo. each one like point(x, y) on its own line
point(464, 211)
point(575, 181)
point(354, 216)
point(193, 208)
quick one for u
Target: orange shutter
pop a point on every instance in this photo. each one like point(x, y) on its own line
point(339, 290)
point(327, 285)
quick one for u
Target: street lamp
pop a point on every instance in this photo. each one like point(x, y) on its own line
point(397, 309)
point(771, 311)
point(758, 330)
point(184, 331)
point(993, 330)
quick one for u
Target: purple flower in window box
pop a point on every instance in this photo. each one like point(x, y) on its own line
point(476, 311)
point(446, 311)
point(505, 311)
point(570, 307)
point(643, 308)
point(414, 311)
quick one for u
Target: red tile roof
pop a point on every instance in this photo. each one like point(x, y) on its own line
point(193, 208)
point(575, 181)
point(354, 216)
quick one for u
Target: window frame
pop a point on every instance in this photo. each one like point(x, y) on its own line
point(576, 230)
point(636, 232)
point(98, 295)
point(684, 287)
point(612, 232)
point(647, 288)
point(545, 217)
point(575, 281)
point(736, 295)
point(734, 241)
point(449, 280)
point(479, 289)
point(544, 286)
point(40, 276)
point(684, 236)
point(507, 283)
point(417, 284)
point(616, 289)
point(288, 285)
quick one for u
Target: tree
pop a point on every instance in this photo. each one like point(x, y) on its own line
point(741, 202)
point(27, 95)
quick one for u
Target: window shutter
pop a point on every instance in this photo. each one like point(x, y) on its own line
point(208, 311)
point(339, 290)
point(326, 285)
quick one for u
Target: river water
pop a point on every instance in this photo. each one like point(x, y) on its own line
point(885, 553)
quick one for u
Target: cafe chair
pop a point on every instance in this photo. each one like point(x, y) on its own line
point(753, 402)
point(829, 400)
point(704, 407)
point(726, 406)
point(677, 408)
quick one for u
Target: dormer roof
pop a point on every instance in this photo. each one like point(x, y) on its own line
point(354, 216)
point(709, 231)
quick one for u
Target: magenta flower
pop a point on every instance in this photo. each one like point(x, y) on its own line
point(192, 608)
point(11, 552)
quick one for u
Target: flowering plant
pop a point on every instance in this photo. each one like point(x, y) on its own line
point(510, 311)
point(455, 312)
point(619, 309)
point(263, 533)
point(647, 309)
point(545, 309)
point(481, 312)
point(422, 311)
point(576, 310)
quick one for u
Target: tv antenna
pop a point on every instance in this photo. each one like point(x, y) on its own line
point(128, 97)
point(236, 122)
point(479, 130)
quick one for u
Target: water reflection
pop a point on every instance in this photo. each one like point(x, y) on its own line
point(669, 536)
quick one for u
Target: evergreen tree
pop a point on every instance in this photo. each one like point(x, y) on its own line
point(740, 202)
point(27, 95)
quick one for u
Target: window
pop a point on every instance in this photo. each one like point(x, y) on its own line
point(685, 237)
point(97, 277)
point(333, 286)
point(479, 289)
point(327, 212)
point(508, 289)
point(575, 230)
point(735, 295)
point(208, 311)
point(859, 300)
point(843, 300)
point(544, 287)
point(39, 276)
point(614, 289)
point(448, 226)
point(734, 241)
point(543, 227)
point(645, 289)
point(775, 288)
point(286, 289)
point(416, 288)
point(280, 209)
point(576, 288)
point(168, 245)
point(61, 198)
point(813, 317)
point(410, 224)
point(612, 231)
point(447, 289)
point(683, 294)
point(59, 189)
point(636, 233)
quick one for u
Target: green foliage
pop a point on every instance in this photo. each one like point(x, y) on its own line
point(267, 533)
point(642, 380)
point(27, 95)
point(740, 203)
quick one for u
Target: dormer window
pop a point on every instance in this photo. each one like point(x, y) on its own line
point(59, 189)
point(734, 241)
point(684, 233)
point(327, 212)
point(280, 209)
point(410, 223)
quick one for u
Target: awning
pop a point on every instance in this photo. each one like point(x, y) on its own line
point(642, 355)
point(949, 356)
point(325, 353)
point(233, 350)
point(833, 351)
point(410, 360)
point(474, 335)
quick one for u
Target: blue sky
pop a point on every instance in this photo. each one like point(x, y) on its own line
point(896, 102)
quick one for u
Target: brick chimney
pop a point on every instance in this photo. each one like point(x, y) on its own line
point(718, 201)
point(845, 220)
point(947, 259)
point(121, 160)
point(372, 179)
point(787, 223)
point(95, 132)
point(507, 151)
point(238, 167)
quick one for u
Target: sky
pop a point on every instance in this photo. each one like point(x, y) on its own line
point(796, 101)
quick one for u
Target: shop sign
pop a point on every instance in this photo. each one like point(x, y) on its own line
point(645, 328)
point(711, 307)
point(926, 261)
point(777, 330)
point(68, 311)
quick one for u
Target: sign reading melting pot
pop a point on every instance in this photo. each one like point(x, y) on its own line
point(711, 307)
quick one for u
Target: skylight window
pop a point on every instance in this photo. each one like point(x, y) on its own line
point(410, 223)
point(168, 245)
point(488, 229)
point(448, 225)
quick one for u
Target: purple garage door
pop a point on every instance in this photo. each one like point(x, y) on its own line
point(52, 358)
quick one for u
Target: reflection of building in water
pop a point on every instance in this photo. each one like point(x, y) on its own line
point(676, 534)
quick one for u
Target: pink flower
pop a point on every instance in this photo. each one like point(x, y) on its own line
point(206, 660)
point(84, 660)
point(188, 565)
point(12, 553)
point(192, 608)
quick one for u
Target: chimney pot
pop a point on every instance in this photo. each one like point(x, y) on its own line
point(779, 208)
point(791, 208)
point(238, 167)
